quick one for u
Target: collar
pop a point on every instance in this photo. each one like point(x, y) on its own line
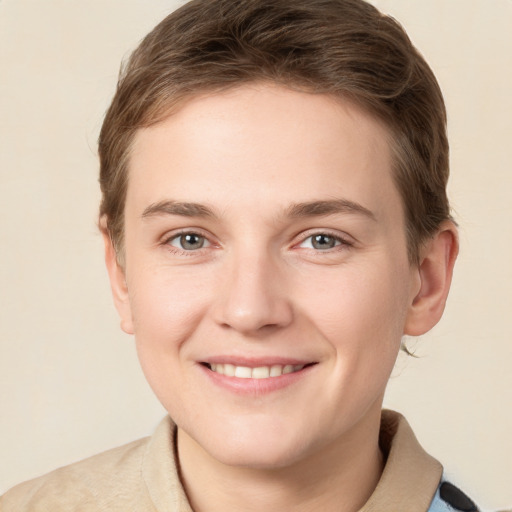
point(408, 483)
point(410, 477)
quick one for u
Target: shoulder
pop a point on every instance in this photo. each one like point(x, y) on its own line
point(101, 482)
point(449, 498)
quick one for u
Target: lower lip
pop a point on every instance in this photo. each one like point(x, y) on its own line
point(255, 387)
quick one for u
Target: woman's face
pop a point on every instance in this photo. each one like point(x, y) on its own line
point(267, 277)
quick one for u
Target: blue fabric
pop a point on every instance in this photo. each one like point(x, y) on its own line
point(439, 505)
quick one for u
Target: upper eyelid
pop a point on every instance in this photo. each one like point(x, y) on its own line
point(179, 235)
point(304, 235)
point(344, 238)
point(171, 235)
point(341, 243)
point(166, 240)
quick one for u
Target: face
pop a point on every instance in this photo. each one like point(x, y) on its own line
point(266, 268)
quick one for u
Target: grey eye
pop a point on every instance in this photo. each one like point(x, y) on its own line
point(321, 242)
point(189, 241)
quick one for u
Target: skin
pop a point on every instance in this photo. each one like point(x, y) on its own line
point(261, 289)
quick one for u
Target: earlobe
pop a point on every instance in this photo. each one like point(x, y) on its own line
point(435, 271)
point(117, 278)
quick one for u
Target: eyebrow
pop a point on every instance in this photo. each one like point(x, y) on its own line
point(330, 207)
point(182, 209)
point(294, 211)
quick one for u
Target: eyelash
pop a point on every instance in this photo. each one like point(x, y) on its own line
point(166, 242)
point(341, 243)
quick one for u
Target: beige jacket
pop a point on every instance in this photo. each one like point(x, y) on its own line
point(142, 476)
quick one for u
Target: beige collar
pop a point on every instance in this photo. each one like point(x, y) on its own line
point(408, 483)
point(410, 477)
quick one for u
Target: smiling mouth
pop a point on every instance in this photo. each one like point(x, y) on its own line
point(259, 372)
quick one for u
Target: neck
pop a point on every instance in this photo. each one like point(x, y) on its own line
point(340, 477)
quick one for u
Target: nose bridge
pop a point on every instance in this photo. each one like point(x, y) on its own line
point(253, 294)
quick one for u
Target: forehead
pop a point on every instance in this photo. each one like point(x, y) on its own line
point(259, 145)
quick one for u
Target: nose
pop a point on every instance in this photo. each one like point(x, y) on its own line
point(252, 299)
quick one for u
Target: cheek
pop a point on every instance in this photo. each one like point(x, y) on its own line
point(166, 307)
point(358, 308)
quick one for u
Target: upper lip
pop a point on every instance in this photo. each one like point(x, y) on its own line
point(255, 362)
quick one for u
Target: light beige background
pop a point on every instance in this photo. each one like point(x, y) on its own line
point(70, 385)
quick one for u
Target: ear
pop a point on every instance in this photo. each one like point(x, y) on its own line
point(117, 278)
point(434, 271)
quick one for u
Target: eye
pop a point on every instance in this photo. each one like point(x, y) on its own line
point(189, 241)
point(322, 242)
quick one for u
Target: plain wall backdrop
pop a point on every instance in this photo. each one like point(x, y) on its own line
point(70, 385)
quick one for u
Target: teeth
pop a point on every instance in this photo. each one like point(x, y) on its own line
point(229, 370)
point(263, 372)
point(241, 371)
point(260, 372)
point(276, 371)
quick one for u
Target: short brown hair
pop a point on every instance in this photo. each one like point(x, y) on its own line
point(344, 48)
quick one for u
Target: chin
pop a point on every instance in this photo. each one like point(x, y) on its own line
point(257, 448)
point(256, 457)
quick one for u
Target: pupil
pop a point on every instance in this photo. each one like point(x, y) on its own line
point(192, 241)
point(323, 242)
